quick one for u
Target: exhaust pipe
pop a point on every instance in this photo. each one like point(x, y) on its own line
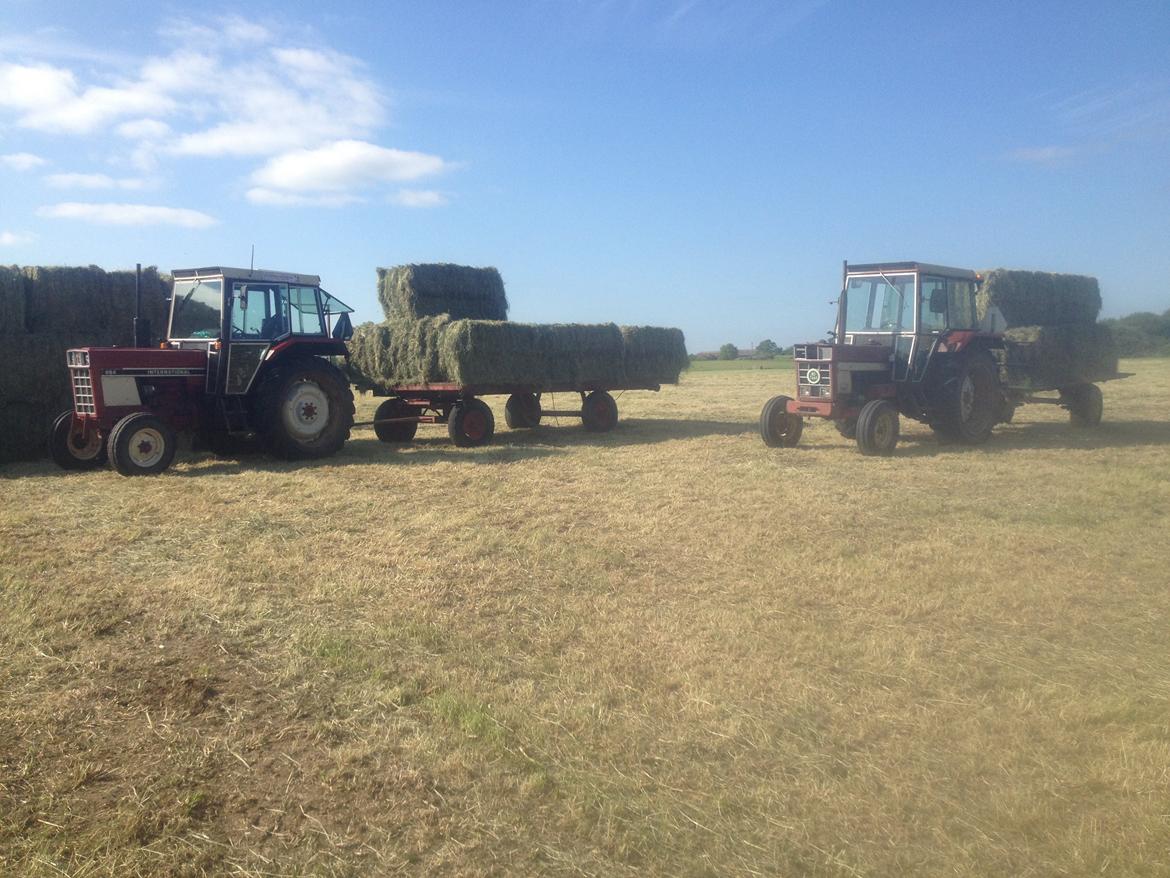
point(141, 324)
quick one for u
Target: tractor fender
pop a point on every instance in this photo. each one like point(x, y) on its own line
point(958, 341)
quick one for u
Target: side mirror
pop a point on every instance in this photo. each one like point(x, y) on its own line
point(938, 301)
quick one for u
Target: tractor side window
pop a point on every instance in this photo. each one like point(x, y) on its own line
point(877, 304)
point(932, 311)
point(305, 312)
point(259, 311)
point(197, 308)
point(961, 304)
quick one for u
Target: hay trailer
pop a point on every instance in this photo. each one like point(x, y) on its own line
point(246, 355)
point(469, 419)
point(931, 343)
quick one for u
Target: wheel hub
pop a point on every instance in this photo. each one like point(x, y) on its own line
point(306, 411)
point(146, 447)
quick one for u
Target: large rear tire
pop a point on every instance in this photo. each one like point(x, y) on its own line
point(141, 445)
point(400, 431)
point(471, 423)
point(1084, 404)
point(968, 400)
point(778, 428)
point(72, 452)
point(522, 411)
point(877, 427)
point(304, 410)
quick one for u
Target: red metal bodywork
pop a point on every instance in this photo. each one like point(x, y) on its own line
point(170, 381)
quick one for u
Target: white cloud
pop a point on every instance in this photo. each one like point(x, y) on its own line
point(93, 181)
point(272, 198)
point(127, 214)
point(419, 198)
point(144, 129)
point(344, 164)
point(14, 239)
point(1042, 155)
point(21, 161)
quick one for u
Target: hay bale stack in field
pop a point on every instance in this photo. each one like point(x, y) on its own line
point(1053, 339)
point(44, 311)
point(410, 292)
point(12, 296)
point(653, 354)
point(1033, 298)
point(1058, 356)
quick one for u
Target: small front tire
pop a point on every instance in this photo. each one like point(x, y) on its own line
point(73, 452)
point(141, 445)
point(779, 428)
point(877, 428)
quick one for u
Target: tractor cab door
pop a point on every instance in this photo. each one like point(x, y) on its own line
point(259, 318)
point(944, 304)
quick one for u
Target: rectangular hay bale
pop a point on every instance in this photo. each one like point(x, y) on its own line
point(410, 292)
point(12, 298)
point(34, 388)
point(653, 355)
point(90, 300)
point(1037, 357)
point(1030, 298)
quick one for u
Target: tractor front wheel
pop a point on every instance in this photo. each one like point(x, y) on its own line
point(471, 423)
point(73, 451)
point(1084, 404)
point(305, 410)
point(779, 428)
point(141, 445)
point(877, 427)
point(522, 411)
point(398, 431)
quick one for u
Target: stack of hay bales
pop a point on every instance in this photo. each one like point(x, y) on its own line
point(1053, 339)
point(447, 324)
point(44, 311)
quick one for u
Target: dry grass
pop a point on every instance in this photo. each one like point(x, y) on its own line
point(666, 650)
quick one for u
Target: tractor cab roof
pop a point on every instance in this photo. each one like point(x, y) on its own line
point(253, 274)
point(921, 267)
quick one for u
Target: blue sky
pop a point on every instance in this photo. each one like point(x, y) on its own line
point(698, 163)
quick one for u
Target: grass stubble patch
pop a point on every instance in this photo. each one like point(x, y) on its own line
point(664, 650)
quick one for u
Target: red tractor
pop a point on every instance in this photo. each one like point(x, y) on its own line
point(246, 355)
point(909, 341)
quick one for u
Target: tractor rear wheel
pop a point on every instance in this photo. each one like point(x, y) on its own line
point(522, 411)
point(401, 431)
point(471, 423)
point(599, 412)
point(877, 427)
point(1084, 404)
point(778, 428)
point(847, 428)
point(73, 452)
point(141, 445)
point(304, 409)
point(968, 400)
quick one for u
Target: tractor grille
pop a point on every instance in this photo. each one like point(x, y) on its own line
point(813, 380)
point(82, 391)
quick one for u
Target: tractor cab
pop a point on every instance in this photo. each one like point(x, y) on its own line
point(242, 318)
point(908, 309)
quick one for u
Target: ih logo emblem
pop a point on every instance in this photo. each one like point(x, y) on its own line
point(814, 376)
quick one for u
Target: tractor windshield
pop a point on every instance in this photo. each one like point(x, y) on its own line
point(879, 303)
point(197, 308)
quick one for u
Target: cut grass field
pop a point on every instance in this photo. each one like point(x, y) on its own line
point(665, 650)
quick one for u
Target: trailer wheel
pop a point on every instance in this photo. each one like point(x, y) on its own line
point(778, 428)
point(1084, 404)
point(599, 412)
point(402, 431)
point(969, 400)
point(877, 427)
point(471, 423)
point(305, 409)
point(141, 445)
point(68, 453)
point(522, 411)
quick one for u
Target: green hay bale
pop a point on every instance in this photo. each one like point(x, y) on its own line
point(12, 298)
point(34, 388)
point(653, 355)
point(410, 292)
point(26, 430)
point(92, 301)
point(1038, 357)
point(492, 352)
point(1030, 298)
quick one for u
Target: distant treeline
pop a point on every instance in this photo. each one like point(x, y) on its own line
point(1144, 334)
